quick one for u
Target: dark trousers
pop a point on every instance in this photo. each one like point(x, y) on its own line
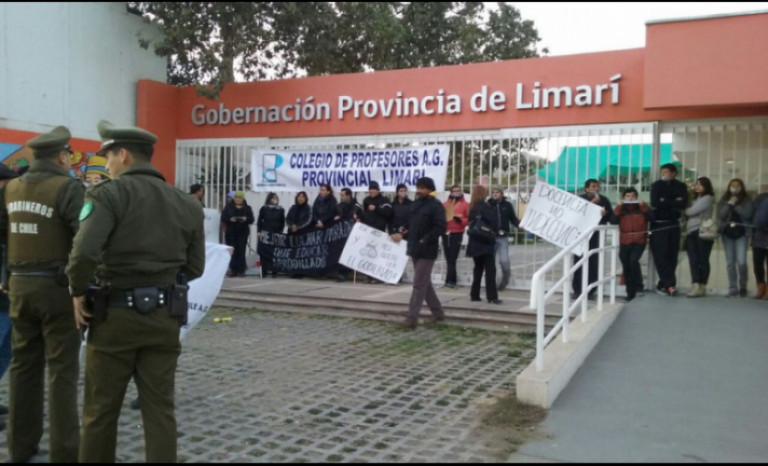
point(452, 247)
point(759, 258)
point(630, 254)
point(237, 263)
point(592, 267)
point(43, 335)
point(665, 246)
point(423, 290)
point(698, 257)
point(485, 263)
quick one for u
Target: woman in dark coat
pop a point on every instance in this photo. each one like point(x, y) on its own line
point(238, 217)
point(483, 251)
point(299, 218)
point(271, 220)
point(324, 208)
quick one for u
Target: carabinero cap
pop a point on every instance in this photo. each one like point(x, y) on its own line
point(56, 139)
point(111, 135)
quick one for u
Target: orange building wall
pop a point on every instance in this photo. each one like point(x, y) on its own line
point(663, 82)
point(156, 111)
point(707, 62)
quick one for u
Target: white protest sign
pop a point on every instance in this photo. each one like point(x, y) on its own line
point(204, 290)
point(212, 225)
point(372, 252)
point(559, 216)
point(302, 170)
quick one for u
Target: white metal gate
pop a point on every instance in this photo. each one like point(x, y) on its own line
point(617, 155)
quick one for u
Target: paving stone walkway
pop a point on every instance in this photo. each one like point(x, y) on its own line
point(277, 387)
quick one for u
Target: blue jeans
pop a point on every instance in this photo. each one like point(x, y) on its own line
point(5, 335)
point(502, 254)
point(736, 254)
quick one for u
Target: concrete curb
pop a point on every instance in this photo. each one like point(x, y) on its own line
point(562, 360)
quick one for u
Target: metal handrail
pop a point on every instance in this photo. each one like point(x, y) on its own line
point(539, 297)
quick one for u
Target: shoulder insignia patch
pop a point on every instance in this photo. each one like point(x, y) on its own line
point(86, 210)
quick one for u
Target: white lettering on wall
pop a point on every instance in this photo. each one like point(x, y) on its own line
point(527, 97)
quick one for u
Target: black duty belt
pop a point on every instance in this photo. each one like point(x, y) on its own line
point(128, 298)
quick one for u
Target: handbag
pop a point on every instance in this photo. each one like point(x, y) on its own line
point(733, 228)
point(480, 231)
point(708, 230)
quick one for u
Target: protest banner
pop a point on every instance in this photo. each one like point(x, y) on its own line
point(559, 216)
point(203, 290)
point(313, 253)
point(300, 170)
point(212, 224)
point(373, 253)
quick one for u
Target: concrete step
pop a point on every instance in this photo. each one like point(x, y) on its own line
point(462, 313)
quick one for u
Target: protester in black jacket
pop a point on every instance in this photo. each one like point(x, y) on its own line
point(238, 217)
point(592, 194)
point(425, 225)
point(669, 198)
point(377, 213)
point(401, 207)
point(506, 217)
point(347, 210)
point(299, 218)
point(324, 208)
point(271, 220)
point(377, 210)
point(480, 250)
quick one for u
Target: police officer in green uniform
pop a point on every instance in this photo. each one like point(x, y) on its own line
point(136, 233)
point(42, 217)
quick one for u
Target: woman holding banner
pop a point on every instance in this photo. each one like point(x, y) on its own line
point(238, 217)
point(271, 220)
point(299, 218)
point(482, 248)
point(324, 208)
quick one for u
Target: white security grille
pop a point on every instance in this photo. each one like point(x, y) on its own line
point(617, 155)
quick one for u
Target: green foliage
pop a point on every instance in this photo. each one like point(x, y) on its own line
point(210, 43)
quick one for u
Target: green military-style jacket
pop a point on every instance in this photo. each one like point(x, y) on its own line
point(65, 211)
point(137, 230)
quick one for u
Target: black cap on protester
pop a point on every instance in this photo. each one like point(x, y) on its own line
point(7, 173)
point(400, 186)
point(374, 185)
point(427, 183)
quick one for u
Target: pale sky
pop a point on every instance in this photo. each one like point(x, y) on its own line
point(584, 27)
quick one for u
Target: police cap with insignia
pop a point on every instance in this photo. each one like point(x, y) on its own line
point(112, 135)
point(55, 141)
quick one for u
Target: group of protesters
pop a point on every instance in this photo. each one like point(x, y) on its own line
point(734, 219)
point(380, 212)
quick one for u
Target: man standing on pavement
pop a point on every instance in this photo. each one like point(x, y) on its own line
point(506, 216)
point(457, 218)
point(377, 212)
point(42, 217)
point(669, 197)
point(592, 194)
point(426, 224)
point(198, 191)
point(139, 234)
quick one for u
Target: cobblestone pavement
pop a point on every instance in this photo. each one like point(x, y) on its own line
point(275, 387)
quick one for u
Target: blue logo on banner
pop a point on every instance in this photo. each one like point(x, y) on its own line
point(270, 163)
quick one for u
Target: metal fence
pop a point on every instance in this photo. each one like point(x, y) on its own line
point(618, 155)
